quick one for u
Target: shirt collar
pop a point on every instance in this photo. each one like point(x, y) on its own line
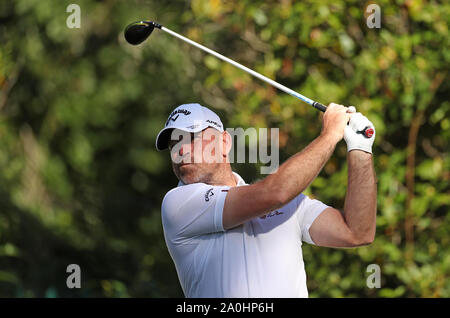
point(237, 178)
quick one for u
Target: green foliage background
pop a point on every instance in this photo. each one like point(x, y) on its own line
point(81, 181)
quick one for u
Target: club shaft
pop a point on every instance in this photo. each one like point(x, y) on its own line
point(246, 69)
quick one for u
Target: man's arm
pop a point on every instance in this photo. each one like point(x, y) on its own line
point(292, 177)
point(360, 208)
point(356, 226)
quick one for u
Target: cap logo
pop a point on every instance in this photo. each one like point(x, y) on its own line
point(175, 112)
point(214, 123)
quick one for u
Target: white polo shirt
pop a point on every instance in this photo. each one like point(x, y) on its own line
point(260, 258)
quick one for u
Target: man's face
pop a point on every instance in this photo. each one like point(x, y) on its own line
point(196, 156)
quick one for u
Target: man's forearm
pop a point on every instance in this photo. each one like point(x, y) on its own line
point(295, 175)
point(361, 200)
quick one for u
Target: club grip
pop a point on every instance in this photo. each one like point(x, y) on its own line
point(319, 106)
point(367, 132)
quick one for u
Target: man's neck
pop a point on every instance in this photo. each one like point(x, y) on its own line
point(226, 178)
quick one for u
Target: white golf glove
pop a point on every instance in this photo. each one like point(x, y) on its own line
point(359, 134)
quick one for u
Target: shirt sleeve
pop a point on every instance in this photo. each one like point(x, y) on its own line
point(192, 210)
point(307, 211)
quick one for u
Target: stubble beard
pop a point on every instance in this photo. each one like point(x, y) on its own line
point(192, 173)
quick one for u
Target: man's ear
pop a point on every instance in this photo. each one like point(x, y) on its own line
point(227, 144)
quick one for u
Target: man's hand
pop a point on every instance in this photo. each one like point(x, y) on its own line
point(354, 136)
point(335, 120)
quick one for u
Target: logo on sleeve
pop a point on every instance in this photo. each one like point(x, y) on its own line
point(208, 194)
point(271, 214)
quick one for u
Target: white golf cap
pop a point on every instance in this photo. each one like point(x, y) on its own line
point(188, 117)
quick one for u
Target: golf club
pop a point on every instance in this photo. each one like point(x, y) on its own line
point(138, 32)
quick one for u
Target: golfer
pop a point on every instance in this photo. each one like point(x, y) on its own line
point(231, 239)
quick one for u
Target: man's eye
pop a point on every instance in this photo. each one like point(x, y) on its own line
point(172, 144)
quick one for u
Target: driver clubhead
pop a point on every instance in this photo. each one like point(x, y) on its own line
point(137, 32)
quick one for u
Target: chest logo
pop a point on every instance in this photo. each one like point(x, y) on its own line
point(208, 194)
